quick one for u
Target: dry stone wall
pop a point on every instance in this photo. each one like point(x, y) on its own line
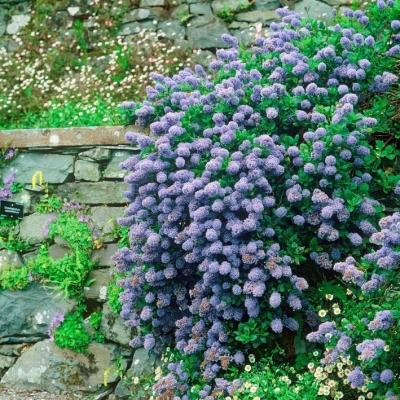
point(196, 24)
point(29, 360)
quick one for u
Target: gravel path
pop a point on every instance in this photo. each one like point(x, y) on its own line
point(9, 394)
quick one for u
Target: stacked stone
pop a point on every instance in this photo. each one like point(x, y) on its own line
point(195, 24)
point(29, 360)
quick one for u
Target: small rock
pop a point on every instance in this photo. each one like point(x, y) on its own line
point(152, 3)
point(94, 192)
point(205, 33)
point(9, 258)
point(73, 11)
point(34, 228)
point(96, 154)
point(17, 23)
point(113, 170)
point(139, 14)
point(133, 28)
point(202, 20)
point(264, 16)
point(232, 5)
point(136, 15)
point(56, 169)
point(171, 30)
point(267, 4)
point(98, 289)
point(114, 328)
point(202, 57)
point(180, 11)
point(200, 9)
point(105, 219)
point(244, 36)
point(314, 9)
point(46, 367)
point(87, 171)
point(26, 314)
point(103, 257)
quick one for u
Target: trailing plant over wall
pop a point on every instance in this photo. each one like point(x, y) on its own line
point(266, 177)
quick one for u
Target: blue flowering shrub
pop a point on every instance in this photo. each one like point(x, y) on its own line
point(263, 179)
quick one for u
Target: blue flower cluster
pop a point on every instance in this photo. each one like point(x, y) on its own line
point(254, 172)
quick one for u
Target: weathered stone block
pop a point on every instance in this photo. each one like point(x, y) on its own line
point(46, 367)
point(98, 289)
point(17, 23)
point(96, 154)
point(114, 328)
point(200, 9)
point(171, 30)
point(152, 3)
point(87, 171)
point(55, 167)
point(314, 9)
point(133, 28)
point(232, 5)
point(26, 314)
point(103, 257)
point(113, 170)
point(140, 14)
point(263, 16)
point(94, 192)
point(205, 33)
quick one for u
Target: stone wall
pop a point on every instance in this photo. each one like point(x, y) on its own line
point(196, 24)
point(29, 360)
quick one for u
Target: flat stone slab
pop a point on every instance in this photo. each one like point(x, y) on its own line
point(55, 167)
point(94, 192)
point(60, 137)
point(26, 314)
point(46, 367)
